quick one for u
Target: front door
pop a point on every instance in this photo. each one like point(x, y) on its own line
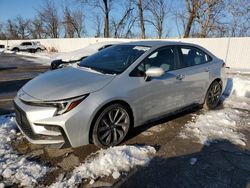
point(164, 94)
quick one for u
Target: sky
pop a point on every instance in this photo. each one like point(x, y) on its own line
point(10, 9)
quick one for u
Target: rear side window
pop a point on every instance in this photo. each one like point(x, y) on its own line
point(26, 43)
point(191, 56)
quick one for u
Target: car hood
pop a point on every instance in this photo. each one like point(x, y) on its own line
point(64, 83)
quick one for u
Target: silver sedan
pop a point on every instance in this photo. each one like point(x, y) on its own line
point(115, 90)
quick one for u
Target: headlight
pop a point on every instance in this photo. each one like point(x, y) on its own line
point(62, 106)
point(68, 104)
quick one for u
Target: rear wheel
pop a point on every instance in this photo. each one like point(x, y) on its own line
point(38, 50)
point(213, 95)
point(15, 50)
point(111, 126)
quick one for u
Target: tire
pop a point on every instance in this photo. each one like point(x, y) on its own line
point(111, 126)
point(38, 50)
point(213, 96)
point(16, 49)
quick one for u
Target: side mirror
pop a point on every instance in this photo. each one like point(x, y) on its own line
point(154, 72)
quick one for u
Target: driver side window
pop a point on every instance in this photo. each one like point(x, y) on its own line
point(162, 57)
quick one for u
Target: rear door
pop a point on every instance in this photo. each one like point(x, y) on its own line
point(29, 45)
point(23, 46)
point(195, 66)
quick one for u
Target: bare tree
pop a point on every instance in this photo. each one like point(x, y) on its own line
point(78, 22)
point(37, 29)
point(239, 25)
point(141, 17)
point(130, 24)
point(158, 10)
point(73, 22)
point(105, 7)
point(97, 26)
point(2, 33)
point(202, 18)
point(22, 26)
point(106, 18)
point(48, 14)
point(12, 30)
point(121, 26)
point(192, 8)
point(209, 17)
point(67, 22)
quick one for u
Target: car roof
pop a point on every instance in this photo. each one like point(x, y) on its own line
point(157, 43)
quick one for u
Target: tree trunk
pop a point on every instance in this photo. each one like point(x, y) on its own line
point(189, 25)
point(141, 19)
point(106, 19)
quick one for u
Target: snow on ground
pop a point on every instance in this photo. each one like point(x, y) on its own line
point(16, 168)
point(226, 123)
point(112, 161)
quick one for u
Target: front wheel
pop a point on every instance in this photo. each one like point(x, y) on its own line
point(111, 126)
point(213, 95)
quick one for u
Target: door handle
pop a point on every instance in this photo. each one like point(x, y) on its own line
point(180, 77)
point(207, 69)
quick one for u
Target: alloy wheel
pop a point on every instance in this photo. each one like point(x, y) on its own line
point(113, 126)
point(213, 95)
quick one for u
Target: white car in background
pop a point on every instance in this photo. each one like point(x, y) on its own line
point(28, 46)
point(77, 55)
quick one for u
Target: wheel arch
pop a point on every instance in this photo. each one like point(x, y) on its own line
point(117, 101)
point(16, 48)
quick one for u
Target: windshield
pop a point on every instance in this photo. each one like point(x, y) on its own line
point(115, 59)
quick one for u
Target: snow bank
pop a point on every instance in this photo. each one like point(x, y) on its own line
point(15, 168)
point(228, 122)
point(43, 55)
point(111, 161)
point(239, 86)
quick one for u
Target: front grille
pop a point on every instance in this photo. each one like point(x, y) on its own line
point(23, 123)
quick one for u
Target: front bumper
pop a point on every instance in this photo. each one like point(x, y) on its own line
point(49, 134)
point(40, 126)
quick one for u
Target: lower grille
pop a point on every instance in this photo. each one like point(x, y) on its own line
point(24, 123)
point(26, 128)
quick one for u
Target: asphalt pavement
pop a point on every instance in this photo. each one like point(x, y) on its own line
point(15, 71)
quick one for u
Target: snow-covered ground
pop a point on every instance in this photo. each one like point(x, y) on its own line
point(227, 123)
point(112, 161)
point(16, 168)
